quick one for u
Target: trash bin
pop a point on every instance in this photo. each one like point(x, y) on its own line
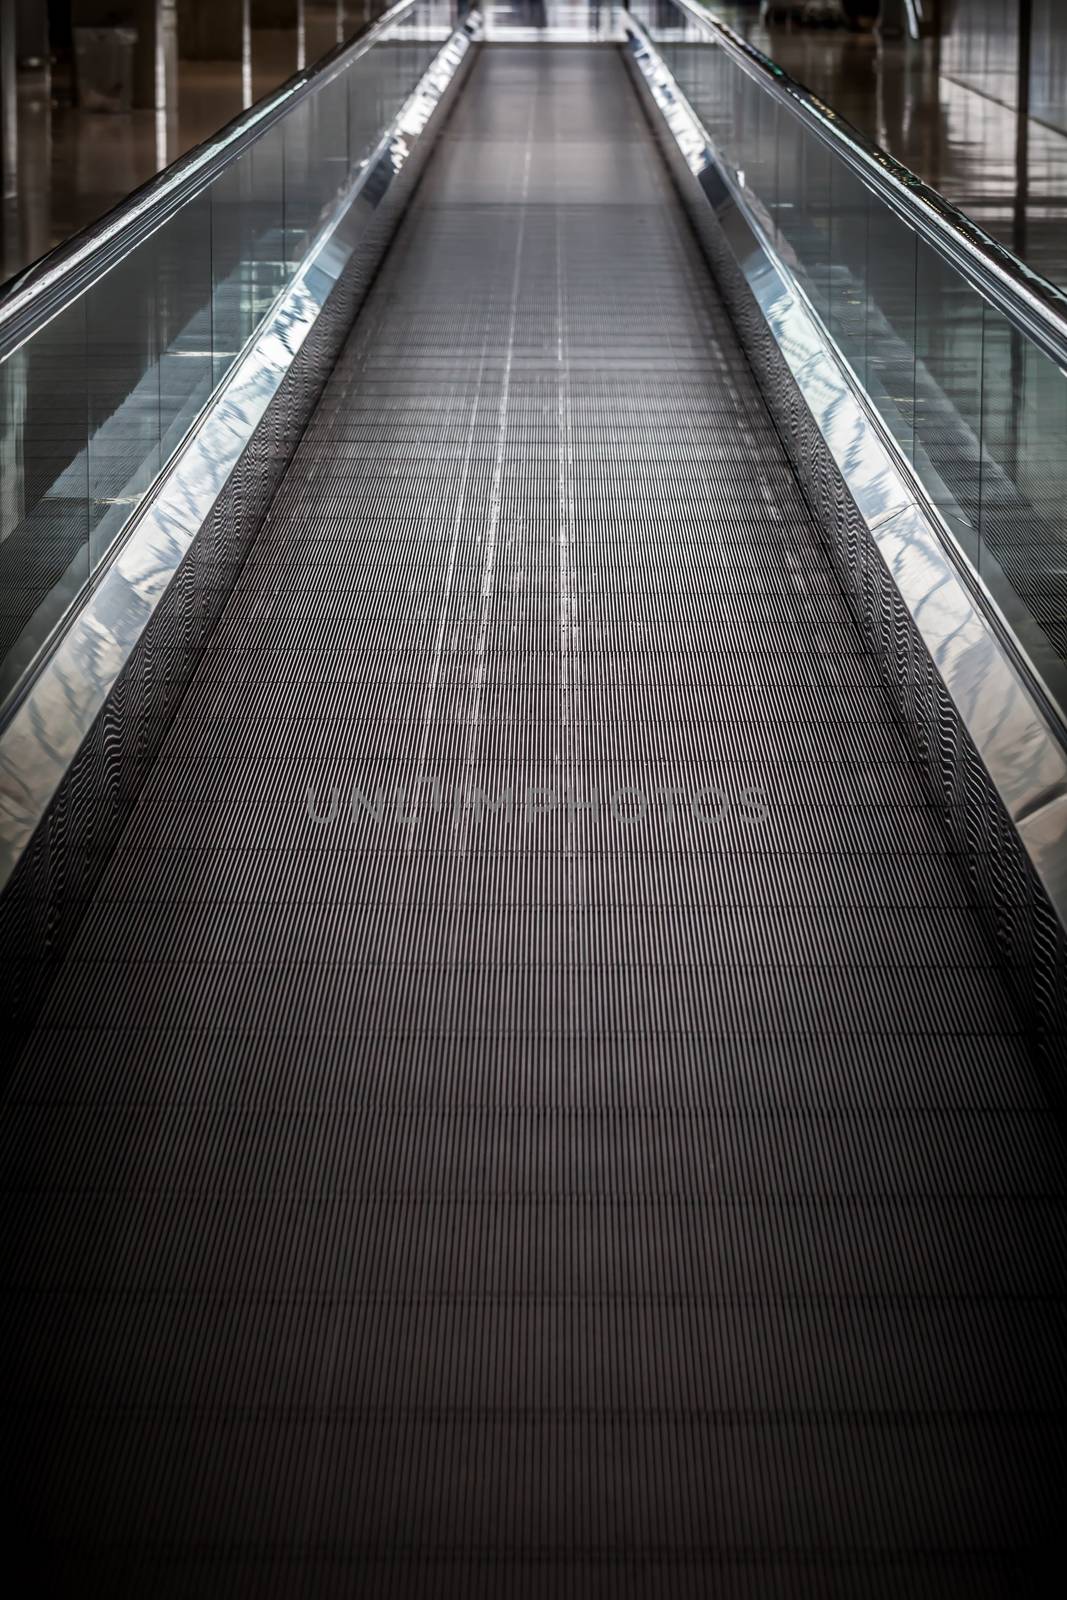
point(103, 68)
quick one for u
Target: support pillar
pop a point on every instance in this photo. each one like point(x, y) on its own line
point(9, 113)
point(1022, 126)
point(897, 19)
point(155, 66)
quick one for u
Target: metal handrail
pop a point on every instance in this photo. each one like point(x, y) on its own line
point(1037, 307)
point(34, 295)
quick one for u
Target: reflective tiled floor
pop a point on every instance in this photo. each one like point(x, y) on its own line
point(558, 21)
point(1008, 173)
point(74, 165)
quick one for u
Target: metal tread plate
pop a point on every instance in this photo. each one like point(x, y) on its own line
point(601, 1193)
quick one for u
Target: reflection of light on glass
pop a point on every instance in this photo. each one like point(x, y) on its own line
point(301, 37)
point(339, 26)
point(246, 54)
point(161, 138)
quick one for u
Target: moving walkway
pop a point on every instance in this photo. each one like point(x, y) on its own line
point(533, 822)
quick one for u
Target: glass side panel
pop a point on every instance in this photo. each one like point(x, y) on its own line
point(184, 313)
point(96, 402)
point(267, 264)
point(948, 386)
point(1022, 517)
point(890, 311)
point(849, 266)
point(976, 408)
point(44, 487)
point(247, 247)
point(124, 394)
point(330, 143)
point(804, 211)
point(299, 184)
point(760, 154)
point(366, 93)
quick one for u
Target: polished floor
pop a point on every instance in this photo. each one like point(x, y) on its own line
point(1007, 172)
point(638, 1189)
point(74, 165)
point(1010, 174)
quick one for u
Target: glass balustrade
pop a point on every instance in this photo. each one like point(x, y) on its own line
point(974, 396)
point(99, 390)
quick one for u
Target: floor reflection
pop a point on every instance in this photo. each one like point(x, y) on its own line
point(1010, 174)
point(1007, 172)
point(75, 165)
point(559, 21)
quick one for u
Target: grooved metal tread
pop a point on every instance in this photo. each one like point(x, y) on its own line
point(633, 1182)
